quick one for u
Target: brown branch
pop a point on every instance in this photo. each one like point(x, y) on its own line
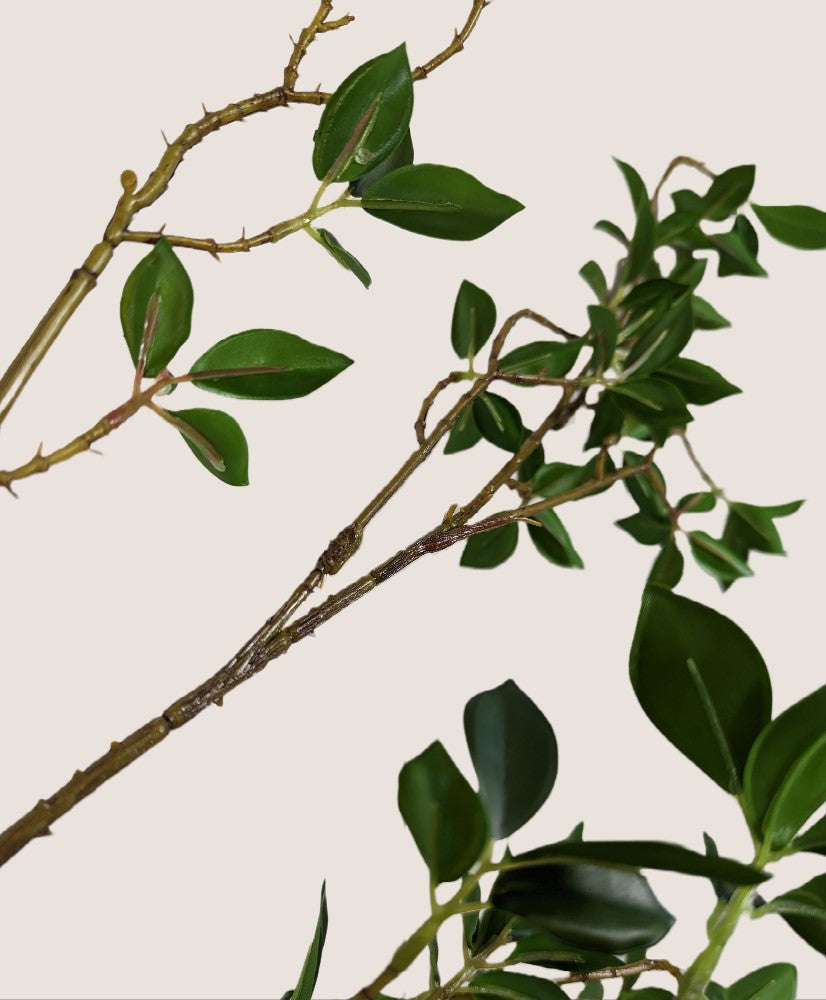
point(430, 399)
point(622, 971)
point(317, 26)
point(679, 161)
point(458, 43)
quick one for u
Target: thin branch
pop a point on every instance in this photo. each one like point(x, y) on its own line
point(679, 161)
point(507, 328)
point(622, 971)
point(715, 489)
point(430, 399)
point(317, 26)
point(458, 43)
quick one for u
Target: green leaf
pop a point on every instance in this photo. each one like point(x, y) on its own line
point(593, 276)
point(697, 503)
point(641, 487)
point(723, 890)
point(470, 921)
point(814, 839)
point(727, 193)
point(607, 423)
point(753, 526)
point(160, 273)
point(772, 982)
point(225, 455)
point(380, 90)
point(528, 469)
point(706, 316)
point(804, 910)
point(698, 383)
point(491, 548)
point(655, 403)
point(612, 229)
point(514, 752)
point(701, 681)
point(344, 257)
point(592, 991)
point(635, 854)
point(799, 226)
point(667, 570)
point(464, 433)
point(556, 478)
point(647, 993)
point(442, 812)
point(306, 366)
point(661, 339)
point(738, 250)
point(645, 530)
point(785, 780)
point(309, 974)
point(498, 421)
point(548, 952)
point(603, 334)
point(585, 905)
point(551, 358)
point(438, 201)
point(474, 319)
point(641, 247)
point(502, 985)
point(553, 541)
point(716, 558)
point(401, 156)
point(652, 293)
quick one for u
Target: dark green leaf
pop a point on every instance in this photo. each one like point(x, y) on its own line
point(553, 541)
point(401, 156)
point(642, 242)
point(701, 681)
point(688, 201)
point(772, 982)
point(556, 478)
point(344, 257)
point(500, 984)
point(306, 366)
point(655, 403)
point(813, 839)
point(491, 548)
point(785, 780)
point(160, 273)
point(716, 558)
point(603, 334)
point(551, 358)
point(499, 421)
point(528, 469)
point(592, 991)
point(727, 193)
point(737, 249)
point(442, 812)
point(309, 974)
point(592, 274)
point(464, 433)
point(470, 921)
point(612, 229)
point(754, 526)
point(585, 905)
point(549, 952)
point(651, 293)
point(375, 99)
point(513, 749)
point(662, 338)
point(667, 570)
point(645, 530)
point(723, 890)
point(697, 503)
point(642, 489)
point(804, 910)
point(706, 316)
point(438, 201)
point(698, 383)
point(474, 318)
point(607, 423)
point(798, 225)
point(647, 993)
point(226, 456)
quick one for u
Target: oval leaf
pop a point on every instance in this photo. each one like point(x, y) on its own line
point(442, 812)
point(727, 193)
point(698, 383)
point(491, 548)
point(701, 681)
point(551, 358)
point(382, 89)
point(224, 438)
point(160, 273)
point(553, 541)
point(401, 156)
point(306, 366)
point(464, 433)
point(438, 201)
point(514, 752)
point(800, 226)
point(772, 982)
point(474, 319)
point(499, 421)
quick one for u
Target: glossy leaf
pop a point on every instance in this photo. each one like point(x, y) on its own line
point(309, 973)
point(401, 156)
point(498, 421)
point(603, 334)
point(738, 250)
point(813, 839)
point(499, 984)
point(585, 905)
point(375, 99)
point(772, 982)
point(785, 780)
point(727, 193)
point(751, 527)
point(662, 339)
point(438, 201)
point(551, 358)
point(706, 316)
point(344, 257)
point(226, 456)
point(658, 291)
point(442, 812)
point(642, 489)
point(555, 478)
point(698, 383)
point(474, 319)
point(514, 752)
point(593, 276)
point(463, 434)
point(306, 366)
point(804, 910)
point(799, 226)
point(644, 529)
point(553, 541)
point(667, 570)
point(491, 548)
point(161, 274)
point(548, 952)
point(701, 681)
point(612, 229)
point(697, 503)
point(723, 890)
point(716, 558)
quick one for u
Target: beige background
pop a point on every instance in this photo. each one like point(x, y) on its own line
point(126, 579)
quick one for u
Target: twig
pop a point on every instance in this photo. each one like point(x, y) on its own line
point(679, 161)
point(715, 489)
point(458, 43)
point(622, 971)
point(317, 26)
point(430, 399)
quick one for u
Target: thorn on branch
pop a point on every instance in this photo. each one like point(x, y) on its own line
point(204, 109)
point(168, 143)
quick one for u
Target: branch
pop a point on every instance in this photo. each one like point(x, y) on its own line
point(458, 43)
point(622, 971)
point(318, 25)
point(679, 161)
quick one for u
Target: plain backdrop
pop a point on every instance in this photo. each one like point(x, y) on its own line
point(129, 578)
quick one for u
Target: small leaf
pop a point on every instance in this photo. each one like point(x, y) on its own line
point(309, 974)
point(499, 421)
point(661, 339)
point(553, 541)
point(658, 291)
point(555, 478)
point(514, 752)
point(701, 681)
point(491, 548)
point(551, 358)
point(401, 156)
point(548, 952)
point(785, 780)
point(499, 984)
point(772, 982)
point(383, 84)
point(698, 383)
point(225, 441)
point(737, 250)
point(799, 226)
point(474, 319)
point(645, 530)
point(344, 257)
point(307, 366)
point(706, 316)
point(727, 193)
point(804, 910)
point(716, 558)
point(697, 503)
point(464, 433)
point(438, 201)
point(641, 247)
point(603, 335)
point(647, 496)
point(442, 812)
point(667, 570)
point(593, 990)
point(655, 403)
point(722, 890)
point(161, 274)
point(591, 273)
point(612, 229)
